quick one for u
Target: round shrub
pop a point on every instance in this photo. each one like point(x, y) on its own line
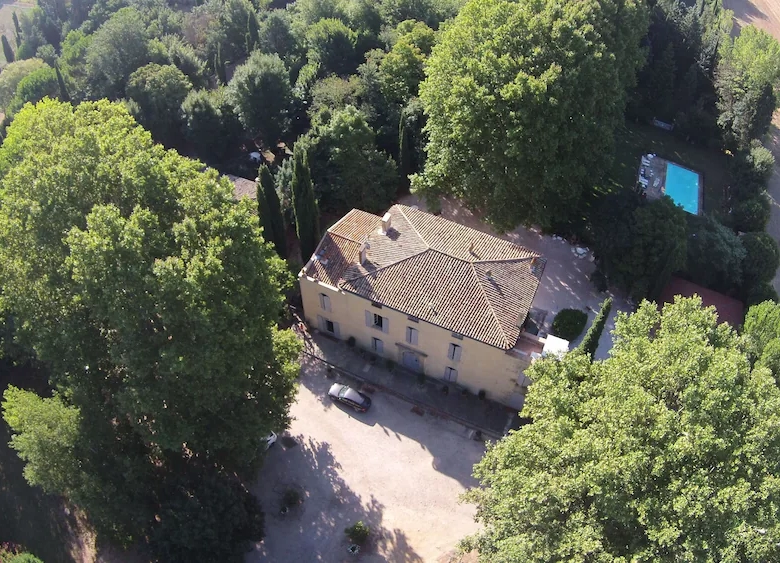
point(751, 214)
point(358, 532)
point(569, 324)
point(762, 257)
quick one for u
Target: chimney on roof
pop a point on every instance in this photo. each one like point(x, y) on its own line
point(489, 274)
point(471, 248)
point(386, 223)
point(363, 251)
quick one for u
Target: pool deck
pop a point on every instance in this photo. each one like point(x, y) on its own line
point(651, 179)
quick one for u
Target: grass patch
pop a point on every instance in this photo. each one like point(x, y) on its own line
point(28, 516)
point(634, 140)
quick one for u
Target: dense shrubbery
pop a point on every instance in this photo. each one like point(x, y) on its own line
point(569, 323)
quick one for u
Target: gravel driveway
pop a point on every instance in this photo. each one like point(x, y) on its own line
point(399, 472)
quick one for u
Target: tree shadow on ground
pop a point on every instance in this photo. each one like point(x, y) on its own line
point(314, 530)
point(42, 523)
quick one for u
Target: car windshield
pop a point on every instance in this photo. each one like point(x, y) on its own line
point(352, 395)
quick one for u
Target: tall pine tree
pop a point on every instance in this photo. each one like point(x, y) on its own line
point(7, 51)
point(307, 219)
point(270, 211)
point(17, 30)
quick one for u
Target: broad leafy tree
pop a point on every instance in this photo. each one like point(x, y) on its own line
point(33, 88)
point(260, 91)
point(331, 47)
point(13, 74)
point(159, 91)
point(522, 100)
point(149, 294)
point(667, 451)
point(118, 48)
point(350, 171)
point(715, 255)
point(211, 124)
point(762, 257)
point(640, 244)
point(402, 69)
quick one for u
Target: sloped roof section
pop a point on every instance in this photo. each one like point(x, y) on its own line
point(243, 187)
point(453, 276)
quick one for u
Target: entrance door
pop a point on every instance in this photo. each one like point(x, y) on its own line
point(411, 361)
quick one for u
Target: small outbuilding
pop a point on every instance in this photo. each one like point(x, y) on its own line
point(729, 310)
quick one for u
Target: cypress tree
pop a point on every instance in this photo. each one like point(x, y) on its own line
point(403, 151)
point(18, 30)
point(590, 343)
point(64, 96)
point(270, 211)
point(307, 220)
point(7, 51)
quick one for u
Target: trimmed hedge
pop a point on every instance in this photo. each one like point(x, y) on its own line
point(569, 324)
point(590, 343)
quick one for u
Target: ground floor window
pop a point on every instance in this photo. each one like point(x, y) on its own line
point(377, 345)
point(450, 374)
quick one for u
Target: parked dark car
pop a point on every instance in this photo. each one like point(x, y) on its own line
point(345, 394)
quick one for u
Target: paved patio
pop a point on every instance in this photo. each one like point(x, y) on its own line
point(428, 398)
point(566, 282)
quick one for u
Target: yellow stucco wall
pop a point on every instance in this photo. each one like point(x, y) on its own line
point(481, 367)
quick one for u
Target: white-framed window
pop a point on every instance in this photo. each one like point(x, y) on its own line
point(326, 325)
point(324, 302)
point(377, 322)
point(450, 374)
point(453, 352)
point(377, 345)
point(412, 335)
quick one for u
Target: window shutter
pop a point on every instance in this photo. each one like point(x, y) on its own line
point(409, 335)
point(325, 302)
point(451, 352)
point(369, 319)
point(380, 346)
point(457, 353)
point(336, 330)
point(415, 335)
point(320, 322)
point(385, 325)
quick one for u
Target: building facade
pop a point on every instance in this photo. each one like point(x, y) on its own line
point(429, 294)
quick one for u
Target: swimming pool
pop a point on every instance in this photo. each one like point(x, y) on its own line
point(682, 185)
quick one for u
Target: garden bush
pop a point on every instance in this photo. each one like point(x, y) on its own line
point(591, 341)
point(569, 323)
point(358, 532)
point(751, 215)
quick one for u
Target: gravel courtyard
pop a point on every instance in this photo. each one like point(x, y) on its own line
point(399, 472)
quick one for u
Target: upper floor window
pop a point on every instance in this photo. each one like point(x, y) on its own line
point(377, 321)
point(453, 353)
point(412, 335)
point(324, 302)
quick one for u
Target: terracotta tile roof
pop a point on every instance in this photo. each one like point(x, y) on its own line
point(243, 187)
point(450, 275)
point(729, 310)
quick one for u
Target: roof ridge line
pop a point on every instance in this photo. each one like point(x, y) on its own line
point(490, 305)
point(500, 260)
point(404, 259)
point(422, 238)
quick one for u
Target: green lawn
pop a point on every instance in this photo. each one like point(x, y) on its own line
point(632, 141)
point(28, 516)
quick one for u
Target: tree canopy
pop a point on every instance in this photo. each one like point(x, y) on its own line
point(159, 91)
point(522, 100)
point(666, 451)
point(152, 298)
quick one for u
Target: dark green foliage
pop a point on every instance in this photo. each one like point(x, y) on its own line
point(751, 214)
point(764, 291)
point(350, 171)
point(159, 91)
point(261, 93)
point(183, 56)
point(209, 517)
point(770, 357)
point(22, 558)
point(270, 211)
point(358, 532)
point(568, 324)
point(590, 342)
point(276, 36)
point(762, 324)
point(750, 172)
point(639, 246)
point(17, 29)
point(762, 258)
point(7, 50)
point(210, 124)
point(715, 255)
point(411, 140)
point(64, 96)
point(331, 46)
point(307, 214)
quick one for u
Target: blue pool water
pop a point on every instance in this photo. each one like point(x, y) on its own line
point(682, 185)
